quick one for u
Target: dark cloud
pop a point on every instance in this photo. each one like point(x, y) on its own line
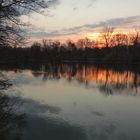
point(88, 27)
point(53, 2)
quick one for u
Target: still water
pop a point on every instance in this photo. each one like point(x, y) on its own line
point(72, 102)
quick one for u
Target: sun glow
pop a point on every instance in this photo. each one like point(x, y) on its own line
point(93, 36)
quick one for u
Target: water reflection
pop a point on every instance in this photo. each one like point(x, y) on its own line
point(108, 80)
point(20, 119)
point(11, 123)
point(63, 102)
point(39, 127)
point(52, 129)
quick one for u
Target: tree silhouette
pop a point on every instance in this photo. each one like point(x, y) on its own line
point(106, 35)
point(10, 24)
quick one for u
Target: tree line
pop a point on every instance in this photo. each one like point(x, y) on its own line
point(111, 47)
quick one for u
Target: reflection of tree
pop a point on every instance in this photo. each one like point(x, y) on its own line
point(107, 79)
point(106, 90)
point(135, 81)
point(10, 122)
point(4, 83)
point(36, 74)
point(105, 87)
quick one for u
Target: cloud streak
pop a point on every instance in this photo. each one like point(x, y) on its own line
point(87, 27)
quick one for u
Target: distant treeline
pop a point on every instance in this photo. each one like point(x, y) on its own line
point(117, 48)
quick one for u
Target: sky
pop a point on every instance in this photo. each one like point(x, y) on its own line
point(74, 19)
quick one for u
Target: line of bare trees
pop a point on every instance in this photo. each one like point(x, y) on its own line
point(111, 39)
point(111, 48)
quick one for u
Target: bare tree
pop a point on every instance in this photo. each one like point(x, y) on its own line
point(120, 39)
point(85, 43)
point(11, 10)
point(135, 37)
point(106, 35)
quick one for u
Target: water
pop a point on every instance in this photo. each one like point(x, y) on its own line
point(75, 102)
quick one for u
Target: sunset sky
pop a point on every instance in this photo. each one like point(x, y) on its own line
point(73, 19)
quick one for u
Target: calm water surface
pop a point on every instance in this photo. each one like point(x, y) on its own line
point(76, 103)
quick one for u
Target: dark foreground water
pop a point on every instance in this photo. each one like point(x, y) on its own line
point(71, 102)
